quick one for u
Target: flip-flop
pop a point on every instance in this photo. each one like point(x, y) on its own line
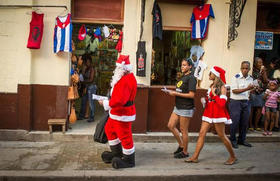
point(228, 163)
point(191, 161)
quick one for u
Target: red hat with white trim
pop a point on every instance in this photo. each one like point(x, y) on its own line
point(219, 72)
point(82, 33)
point(123, 61)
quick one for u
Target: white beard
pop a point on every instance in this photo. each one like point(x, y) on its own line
point(118, 73)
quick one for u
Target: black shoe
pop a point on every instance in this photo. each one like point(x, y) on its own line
point(234, 145)
point(181, 155)
point(90, 120)
point(127, 161)
point(179, 149)
point(80, 118)
point(244, 143)
point(275, 129)
point(116, 151)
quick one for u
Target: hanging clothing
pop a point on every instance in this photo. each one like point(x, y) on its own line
point(106, 31)
point(200, 20)
point(157, 21)
point(36, 31)
point(119, 44)
point(63, 34)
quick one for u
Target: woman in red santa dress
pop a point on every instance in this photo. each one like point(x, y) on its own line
point(121, 114)
point(215, 112)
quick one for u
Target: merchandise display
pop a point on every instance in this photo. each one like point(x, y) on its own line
point(63, 34)
point(200, 20)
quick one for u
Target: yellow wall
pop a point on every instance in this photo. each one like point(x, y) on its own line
point(24, 66)
point(131, 29)
point(20, 65)
point(215, 45)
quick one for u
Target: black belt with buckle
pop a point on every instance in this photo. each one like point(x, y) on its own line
point(128, 103)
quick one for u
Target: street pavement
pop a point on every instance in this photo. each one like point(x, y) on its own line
point(80, 160)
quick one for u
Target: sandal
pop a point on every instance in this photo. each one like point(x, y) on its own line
point(231, 163)
point(181, 155)
point(269, 133)
point(251, 129)
point(191, 161)
point(258, 129)
point(179, 149)
point(265, 133)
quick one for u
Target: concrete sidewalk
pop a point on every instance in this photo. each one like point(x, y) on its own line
point(80, 160)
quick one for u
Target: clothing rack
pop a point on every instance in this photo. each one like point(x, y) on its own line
point(32, 6)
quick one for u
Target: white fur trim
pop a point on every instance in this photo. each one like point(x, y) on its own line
point(223, 97)
point(114, 142)
point(128, 151)
point(215, 72)
point(216, 120)
point(123, 118)
point(127, 67)
point(106, 105)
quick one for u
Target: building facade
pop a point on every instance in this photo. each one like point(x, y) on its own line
point(34, 83)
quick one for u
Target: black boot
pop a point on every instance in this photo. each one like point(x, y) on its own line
point(107, 156)
point(127, 161)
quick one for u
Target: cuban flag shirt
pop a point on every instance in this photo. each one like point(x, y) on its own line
point(63, 34)
point(200, 19)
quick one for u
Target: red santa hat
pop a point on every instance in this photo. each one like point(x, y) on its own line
point(123, 61)
point(219, 72)
point(82, 33)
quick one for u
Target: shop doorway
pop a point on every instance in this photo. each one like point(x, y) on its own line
point(101, 50)
point(168, 54)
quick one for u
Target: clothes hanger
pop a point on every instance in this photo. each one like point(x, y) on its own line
point(64, 13)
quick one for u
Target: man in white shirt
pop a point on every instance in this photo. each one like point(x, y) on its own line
point(241, 85)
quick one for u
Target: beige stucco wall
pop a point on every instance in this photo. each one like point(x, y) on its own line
point(215, 45)
point(131, 28)
point(21, 65)
point(25, 66)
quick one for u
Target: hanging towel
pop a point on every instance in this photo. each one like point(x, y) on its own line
point(36, 31)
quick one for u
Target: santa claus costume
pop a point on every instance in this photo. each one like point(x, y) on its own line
point(215, 108)
point(121, 114)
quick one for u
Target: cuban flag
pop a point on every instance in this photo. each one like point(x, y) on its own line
point(63, 34)
point(200, 19)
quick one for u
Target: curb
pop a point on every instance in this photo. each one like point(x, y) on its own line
point(159, 137)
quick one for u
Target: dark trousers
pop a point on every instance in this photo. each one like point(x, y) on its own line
point(239, 114)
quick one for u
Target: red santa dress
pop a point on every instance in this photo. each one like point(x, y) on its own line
point(215, 109)
point(121, 113)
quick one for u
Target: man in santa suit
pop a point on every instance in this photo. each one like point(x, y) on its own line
point(121, 114)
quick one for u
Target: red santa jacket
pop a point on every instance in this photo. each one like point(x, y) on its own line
point(215, 109)
point(121, 105)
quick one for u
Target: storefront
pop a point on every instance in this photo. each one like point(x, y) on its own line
point(34, 83)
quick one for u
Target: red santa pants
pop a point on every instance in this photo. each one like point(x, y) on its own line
point(120, 132)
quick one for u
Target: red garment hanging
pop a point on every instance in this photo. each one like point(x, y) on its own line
point(36, 31)
point(119, 44)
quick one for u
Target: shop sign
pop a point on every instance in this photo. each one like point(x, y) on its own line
point(264, 40)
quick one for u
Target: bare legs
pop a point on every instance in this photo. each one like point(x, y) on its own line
point(173, 121)
point(200, 142)
point(220, 128)
point(184, 126)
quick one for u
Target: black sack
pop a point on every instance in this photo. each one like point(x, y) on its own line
point(99, 134)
